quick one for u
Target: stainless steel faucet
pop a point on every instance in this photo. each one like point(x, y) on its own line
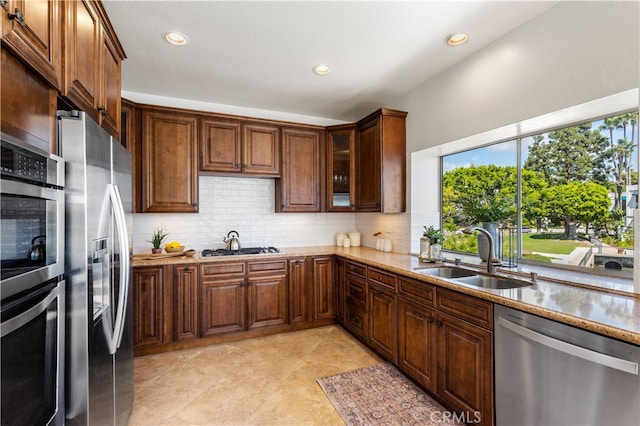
point(491, 266)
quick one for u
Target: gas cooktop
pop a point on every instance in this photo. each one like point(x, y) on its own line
point(247, 250)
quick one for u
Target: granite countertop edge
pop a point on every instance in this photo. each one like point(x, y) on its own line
point(625, 326)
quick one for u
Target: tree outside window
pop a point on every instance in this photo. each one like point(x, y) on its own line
point(578, 186)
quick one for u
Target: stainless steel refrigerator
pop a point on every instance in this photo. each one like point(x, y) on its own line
point(99, 337)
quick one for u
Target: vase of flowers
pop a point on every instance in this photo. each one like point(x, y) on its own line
point(157, 238)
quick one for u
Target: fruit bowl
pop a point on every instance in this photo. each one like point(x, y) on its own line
point(174, 249)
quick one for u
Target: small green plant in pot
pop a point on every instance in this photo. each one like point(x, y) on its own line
point(157, 238)
point(430, 236)
point(433, 234)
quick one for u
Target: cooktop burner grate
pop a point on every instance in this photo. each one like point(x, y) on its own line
point(247, 250)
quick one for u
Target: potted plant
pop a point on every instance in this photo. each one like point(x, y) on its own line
point(430, 236)
point(156, 240)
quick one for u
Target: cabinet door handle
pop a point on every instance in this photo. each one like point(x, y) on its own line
point(438, 324)
point(102, 110)
point(429, 320)
point(185, 270)
point(5, 5)
point(18, 17)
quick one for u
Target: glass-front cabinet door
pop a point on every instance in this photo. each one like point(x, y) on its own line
point(341, 168)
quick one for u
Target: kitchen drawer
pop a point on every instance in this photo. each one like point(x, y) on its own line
point(357, 269)
point(356, 291)
point(217, 269)
point(465, 307)
point(386, 279)
point(417, 291)
point(266, 267)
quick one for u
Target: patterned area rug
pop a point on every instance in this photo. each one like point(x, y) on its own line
point(381, 395)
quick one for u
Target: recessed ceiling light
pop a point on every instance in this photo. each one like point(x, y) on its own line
point(175, 38)
point(322, 69)
point(457, 39)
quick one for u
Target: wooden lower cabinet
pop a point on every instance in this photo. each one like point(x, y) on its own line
point(185, 302)
point(339, 288)
point(267, 301)
point(383, 321)
point(298, 290)
point(355, 311)
point(151, 305)
point(417, 340)
point(465, 367)
point(222, 298)
point(323, 289)
point(440, 338)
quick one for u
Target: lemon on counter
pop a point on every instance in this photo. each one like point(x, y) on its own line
point(173, 245)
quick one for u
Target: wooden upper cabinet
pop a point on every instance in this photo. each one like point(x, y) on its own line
point(31, 31)
point(232, 146)
point(381, 162)
point(341, 168)
point(169, 162)
point(261, 149)
point(91, 62)
point(81, 33)
point(110, 84)
point(27, 103)
point(299, 189)
point(220, 145)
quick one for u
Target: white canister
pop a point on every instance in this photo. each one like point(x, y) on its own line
point(379, 244)
point(340, 236)
point(387, 246)
point(346, 242)
point(355, 238)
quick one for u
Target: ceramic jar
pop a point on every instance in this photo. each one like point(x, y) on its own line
point(355, 238)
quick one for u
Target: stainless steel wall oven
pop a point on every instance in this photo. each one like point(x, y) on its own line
point(32, 288)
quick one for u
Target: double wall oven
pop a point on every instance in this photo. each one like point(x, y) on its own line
point(32, 285)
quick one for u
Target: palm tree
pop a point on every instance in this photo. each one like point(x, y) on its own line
point(620, 152)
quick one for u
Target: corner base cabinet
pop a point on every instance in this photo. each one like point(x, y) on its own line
point(440, 338)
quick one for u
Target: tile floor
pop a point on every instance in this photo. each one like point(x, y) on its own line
point(263, 381)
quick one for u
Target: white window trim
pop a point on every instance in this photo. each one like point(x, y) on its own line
point(425, 164)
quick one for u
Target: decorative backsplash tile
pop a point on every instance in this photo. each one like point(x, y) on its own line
point(246, 205)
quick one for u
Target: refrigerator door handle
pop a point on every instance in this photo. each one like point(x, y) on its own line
point(125, 273)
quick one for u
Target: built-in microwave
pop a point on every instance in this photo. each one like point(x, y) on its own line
point(32, 217)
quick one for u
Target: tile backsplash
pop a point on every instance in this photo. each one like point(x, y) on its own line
point(246, 205)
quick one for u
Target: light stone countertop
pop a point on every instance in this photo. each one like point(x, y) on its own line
point(613, 314)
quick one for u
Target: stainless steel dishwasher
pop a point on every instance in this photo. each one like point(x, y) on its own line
point(548, 373)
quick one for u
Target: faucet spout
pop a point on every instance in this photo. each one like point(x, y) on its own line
point(492, 261)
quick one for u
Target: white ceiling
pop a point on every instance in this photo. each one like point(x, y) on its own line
point(260, 54)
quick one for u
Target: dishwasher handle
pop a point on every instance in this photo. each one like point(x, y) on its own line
point(573, 350)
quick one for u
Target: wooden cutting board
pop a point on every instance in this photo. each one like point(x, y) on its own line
point(186, 253)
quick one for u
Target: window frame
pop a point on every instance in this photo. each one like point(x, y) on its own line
point(519, 146)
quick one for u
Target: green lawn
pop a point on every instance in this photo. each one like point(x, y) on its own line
point(550, 243)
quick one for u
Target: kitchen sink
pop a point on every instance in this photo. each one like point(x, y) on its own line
point(492, 282)
point(447, 272)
